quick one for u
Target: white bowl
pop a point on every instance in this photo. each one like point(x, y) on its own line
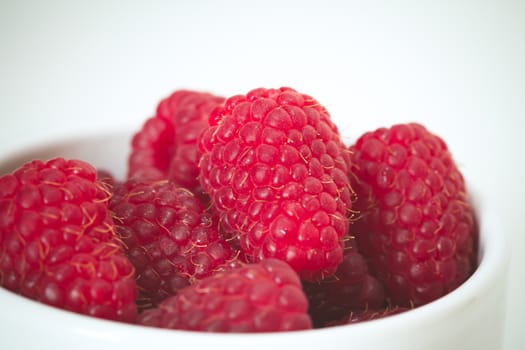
point(471, 317)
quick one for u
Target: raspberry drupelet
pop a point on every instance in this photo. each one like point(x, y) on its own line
point(276, 170)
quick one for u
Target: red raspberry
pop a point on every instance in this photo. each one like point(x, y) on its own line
point(351, 289)
point(417, 227)
point(276, 170)
point(166, 146)
point(264, 297)
point(169, 236)
point(57, 242)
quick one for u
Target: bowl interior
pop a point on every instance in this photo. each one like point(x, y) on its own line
point(452, 320)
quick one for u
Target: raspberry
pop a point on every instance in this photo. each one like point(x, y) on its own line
point(276, 170)
point(166, 146)
point(351, 289)
point(263, 297)
point(169, 236)
point(417, 227)
point(57, 241)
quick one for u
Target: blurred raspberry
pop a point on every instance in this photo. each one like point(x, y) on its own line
point(351, 289)
point(263, 297)
point(166, 146)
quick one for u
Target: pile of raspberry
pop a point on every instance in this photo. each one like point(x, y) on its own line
point(242, 214)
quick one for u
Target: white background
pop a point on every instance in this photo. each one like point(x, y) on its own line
point(69, 68)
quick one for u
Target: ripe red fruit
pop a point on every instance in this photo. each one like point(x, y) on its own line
point(169, 236)
point(276, 170)
point(351, 289)
point(57, 241)
point(264, 297)
point(417, 227)
point(166, 146)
